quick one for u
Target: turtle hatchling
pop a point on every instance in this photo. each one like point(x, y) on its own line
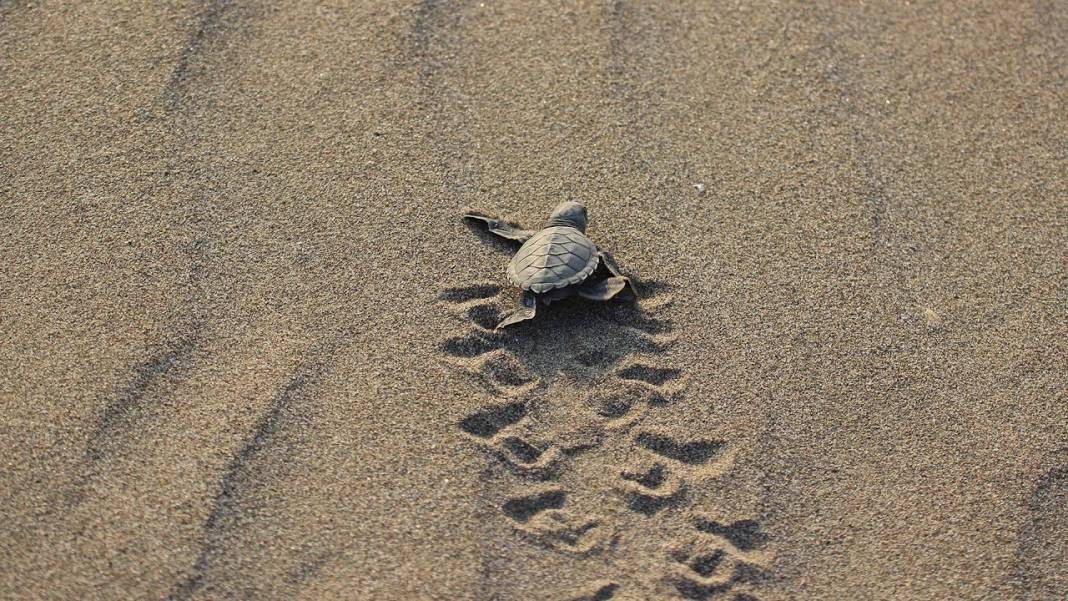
point(556, 262)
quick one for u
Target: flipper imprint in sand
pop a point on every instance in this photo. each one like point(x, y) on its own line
point(579, 383)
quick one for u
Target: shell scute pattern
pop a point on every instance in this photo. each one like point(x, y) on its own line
point(555, 257)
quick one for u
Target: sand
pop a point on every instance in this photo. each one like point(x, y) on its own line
point(245, 335)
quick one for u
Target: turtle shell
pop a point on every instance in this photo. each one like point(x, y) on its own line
point(555, 257)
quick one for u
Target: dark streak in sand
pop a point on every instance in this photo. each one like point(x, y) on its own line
point(214, 20)
point(489, 555)
point(420, 36)
point(124, 413)
point(433, 38)
point(1041, 535)
point(617, 66)
point(208, 21)
point(261, 450)
point(625, 48)
point(120, 414)
point(847, 91)
point(433, 35)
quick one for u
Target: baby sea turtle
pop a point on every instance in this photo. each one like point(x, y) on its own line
point(556, 261)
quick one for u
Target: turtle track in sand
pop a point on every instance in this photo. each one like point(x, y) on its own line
point(576, 388)
point(721, 559)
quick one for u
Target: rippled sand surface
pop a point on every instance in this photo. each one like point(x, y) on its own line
point(246, 340)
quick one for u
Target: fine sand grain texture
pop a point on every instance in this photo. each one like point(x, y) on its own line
point(247, 341)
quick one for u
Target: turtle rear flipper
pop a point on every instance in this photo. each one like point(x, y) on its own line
point(604, 289)
point(500, 228)
point(609, 262)
point(528, 305)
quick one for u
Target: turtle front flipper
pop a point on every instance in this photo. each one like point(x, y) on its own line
point(500, 228)
point(610, 263)
point(528, 305)
point(604, 289)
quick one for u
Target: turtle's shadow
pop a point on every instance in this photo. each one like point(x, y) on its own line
point(581, 339)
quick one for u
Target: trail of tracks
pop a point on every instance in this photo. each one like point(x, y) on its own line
point(575, 395)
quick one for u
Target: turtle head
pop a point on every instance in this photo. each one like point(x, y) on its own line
point(569, 213)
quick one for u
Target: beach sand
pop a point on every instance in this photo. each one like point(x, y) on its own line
point(246, 337)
